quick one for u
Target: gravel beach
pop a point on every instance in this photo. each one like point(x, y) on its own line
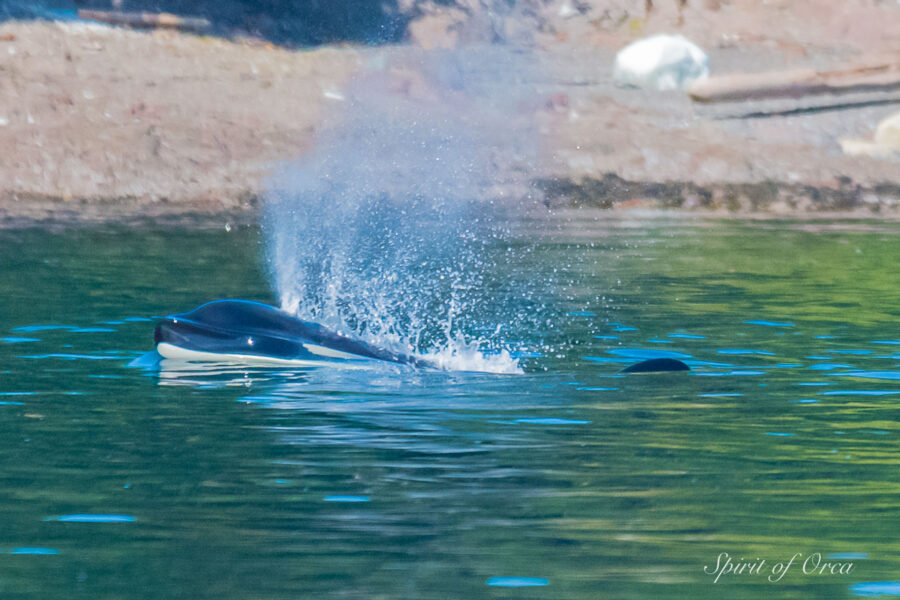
point(106, 124)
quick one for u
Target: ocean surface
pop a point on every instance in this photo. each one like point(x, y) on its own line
point(560, 478)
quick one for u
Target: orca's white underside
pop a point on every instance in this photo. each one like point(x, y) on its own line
point(344, 359)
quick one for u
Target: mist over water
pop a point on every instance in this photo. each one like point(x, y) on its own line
point(394, 228)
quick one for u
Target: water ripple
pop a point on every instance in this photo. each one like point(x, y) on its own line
point(873, 589)
point(769, 323)
point(517, 582)
point(552, 421)
point(872, 374)
point(344, 498)
point(93, 518)
point(34, 550)
point(19, 340)
point(647, 353)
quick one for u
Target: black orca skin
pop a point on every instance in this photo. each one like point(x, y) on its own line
point(656, 365)
point(246, 328)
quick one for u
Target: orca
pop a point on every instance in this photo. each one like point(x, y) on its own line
point(656, 365)
point(242, 330)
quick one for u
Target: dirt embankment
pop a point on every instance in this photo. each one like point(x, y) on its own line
point(98, 123)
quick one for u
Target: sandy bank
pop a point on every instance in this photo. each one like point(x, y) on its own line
point(98, 123)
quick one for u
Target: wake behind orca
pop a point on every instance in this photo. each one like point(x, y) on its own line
point(243, 330)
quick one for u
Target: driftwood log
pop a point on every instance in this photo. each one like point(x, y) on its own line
point(145, 20)
point(880, 75)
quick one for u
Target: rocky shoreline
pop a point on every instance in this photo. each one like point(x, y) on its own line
point(100, 124)
point(609, 194)
point(744, 199)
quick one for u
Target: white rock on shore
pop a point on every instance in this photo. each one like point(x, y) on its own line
point(885, 144)
point(661, 62)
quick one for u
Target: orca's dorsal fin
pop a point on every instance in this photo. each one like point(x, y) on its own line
point(656, 365)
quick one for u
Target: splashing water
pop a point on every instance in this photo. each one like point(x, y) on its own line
point(385, 230)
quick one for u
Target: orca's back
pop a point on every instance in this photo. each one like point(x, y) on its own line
point(244, 327)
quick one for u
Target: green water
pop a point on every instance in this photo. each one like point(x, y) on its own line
point(573, 481)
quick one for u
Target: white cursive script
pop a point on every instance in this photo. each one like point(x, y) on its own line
point(813, 564)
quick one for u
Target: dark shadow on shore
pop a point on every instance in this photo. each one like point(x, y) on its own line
point(286, 22)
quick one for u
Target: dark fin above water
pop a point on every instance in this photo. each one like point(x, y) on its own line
point(656, 365)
